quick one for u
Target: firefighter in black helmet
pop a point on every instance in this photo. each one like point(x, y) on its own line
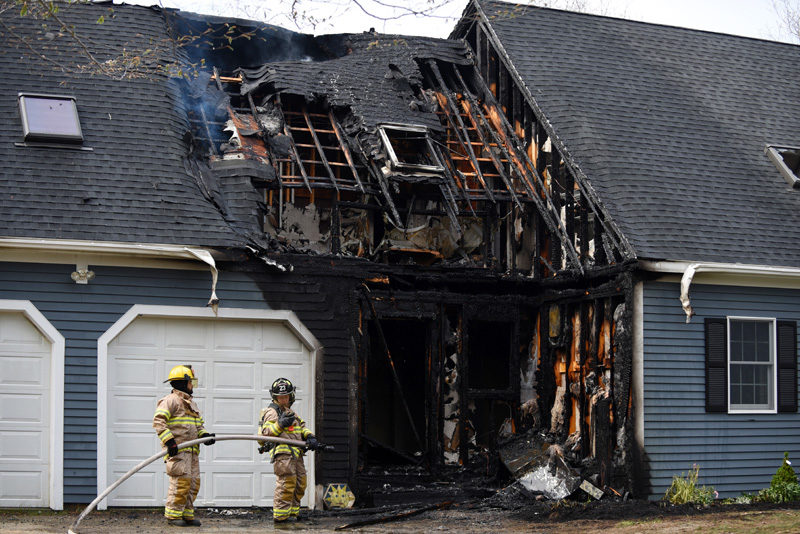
point(279, 420)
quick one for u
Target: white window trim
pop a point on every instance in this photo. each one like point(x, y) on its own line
point(396, 163)
point(774, 154)
point(56, 418)
point(287, 318)
point(774, 358)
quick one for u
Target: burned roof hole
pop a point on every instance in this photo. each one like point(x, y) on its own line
point(409, 147)
point(787, 160)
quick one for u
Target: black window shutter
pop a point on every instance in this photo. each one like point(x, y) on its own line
point(716, 365)
point(787, 366)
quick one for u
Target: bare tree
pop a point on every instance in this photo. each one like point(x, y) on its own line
point(788, 17)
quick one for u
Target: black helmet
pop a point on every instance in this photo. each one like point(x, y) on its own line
point(282, 386)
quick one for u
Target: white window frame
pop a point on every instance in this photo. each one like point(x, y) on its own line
point(396, 163)
point(773, 362)
point(774, 153)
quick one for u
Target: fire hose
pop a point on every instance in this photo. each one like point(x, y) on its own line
point(73, 529)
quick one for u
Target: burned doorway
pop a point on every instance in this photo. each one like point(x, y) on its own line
point(395, 394)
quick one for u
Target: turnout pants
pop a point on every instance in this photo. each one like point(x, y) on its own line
point(184, 483)
point(289, 487)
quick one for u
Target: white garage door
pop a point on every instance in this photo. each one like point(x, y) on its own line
point(237, 361)
point(24, 412)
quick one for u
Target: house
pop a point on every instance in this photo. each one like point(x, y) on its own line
point(688, 142)
point(444, 243)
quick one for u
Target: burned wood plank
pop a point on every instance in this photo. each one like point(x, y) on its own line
point(504, 129)
point(396, 517)
point(458, 125)
point(292, 146)
point(346, 149)
point(320, 149)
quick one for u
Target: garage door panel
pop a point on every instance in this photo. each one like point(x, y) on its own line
point(23, 371)
point(277, 337)
point(16, 329)
point(134, 446)
point(134, 408)
point(235, 376)
point(22, 408)
point(231, 487)
point(191, 335)
point(22, 445)
point(135, 372)
point(235, 451)
point(24, 485)
point(139, 489)
point(236, 336)
point(266, 489)
point(236, 412)
point(271, 371)
point(144, 333)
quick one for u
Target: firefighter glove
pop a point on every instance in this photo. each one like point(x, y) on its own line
point(286, 420)
point(211, 441)
point(262, 449)
point(172, 447)
point(312, 443)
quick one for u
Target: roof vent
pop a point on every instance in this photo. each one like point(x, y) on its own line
point(50, 119)
point(787, 159)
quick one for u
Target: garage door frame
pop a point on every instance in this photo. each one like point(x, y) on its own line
point(287, 318)
point(56, 416)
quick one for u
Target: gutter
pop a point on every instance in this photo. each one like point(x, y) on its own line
point(126, 249)
point(689, 270)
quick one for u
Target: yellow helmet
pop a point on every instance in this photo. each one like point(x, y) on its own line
point(182, 372)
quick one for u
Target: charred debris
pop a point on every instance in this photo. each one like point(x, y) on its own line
point(483, 297)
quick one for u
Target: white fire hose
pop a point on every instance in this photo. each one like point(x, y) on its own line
point(73, 529)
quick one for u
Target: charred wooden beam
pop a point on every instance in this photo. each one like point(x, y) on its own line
point(453, 115)
point(345, 149)
point(320, 149)
point(292, 146)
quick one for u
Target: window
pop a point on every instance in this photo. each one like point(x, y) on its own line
point(50, 119)
point(751, 365)
point(787, 159)
point(409, 148)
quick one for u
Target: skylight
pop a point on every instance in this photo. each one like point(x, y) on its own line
point(50, 119)
point(787, 159)
point(409, 147)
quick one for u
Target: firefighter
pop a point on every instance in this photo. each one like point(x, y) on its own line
point(280, 421)
point(177, 420)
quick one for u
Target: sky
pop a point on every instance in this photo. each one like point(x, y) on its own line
point(751, 18)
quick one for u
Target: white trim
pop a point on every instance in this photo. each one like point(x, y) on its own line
point(56, 418)
point(748, 275)
point(101, 247)
point(287, 318)
point(773, 359)
point(638, 366)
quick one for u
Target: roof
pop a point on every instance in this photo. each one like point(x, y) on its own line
point(669, 125)
point(133, 186)
point(372, 78)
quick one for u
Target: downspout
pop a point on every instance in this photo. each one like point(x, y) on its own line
point(725, 268)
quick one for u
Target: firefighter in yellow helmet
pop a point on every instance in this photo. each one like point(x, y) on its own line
point(279, 420)
point(177, 420)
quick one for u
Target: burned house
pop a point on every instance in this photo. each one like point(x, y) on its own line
point(443, 243)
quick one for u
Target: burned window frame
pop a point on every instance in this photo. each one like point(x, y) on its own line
point(390, 151)
point(776, 156)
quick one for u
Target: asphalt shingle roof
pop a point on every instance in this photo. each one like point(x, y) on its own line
point(372, 79)
point(133, 186)
point(669, 125)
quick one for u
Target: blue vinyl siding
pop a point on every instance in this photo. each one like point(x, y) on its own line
point(736, 453)
point(81, 313)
